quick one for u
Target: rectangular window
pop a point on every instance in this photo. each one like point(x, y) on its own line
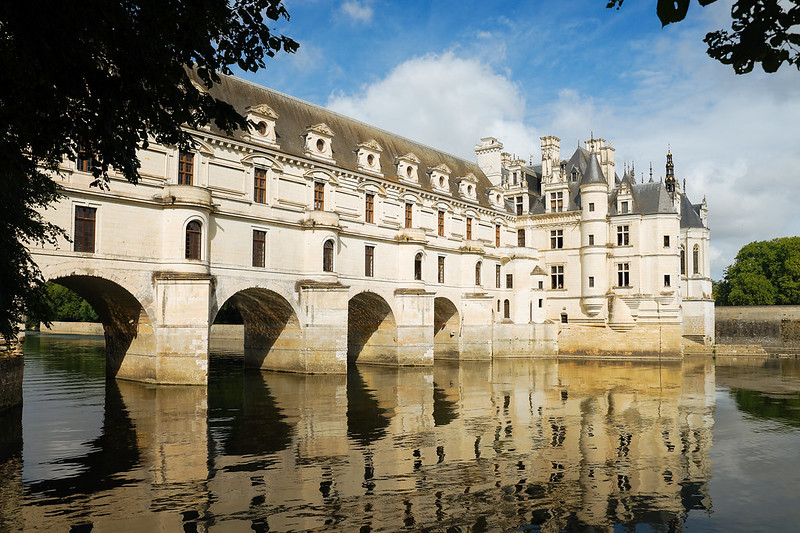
point(497, 235)
point(319, 196)
point(557, 277)
point(623, 275)
point(666, 241)
point(469, 228)
point(556, 202)
point(369, 208)
point(623, 207)
point(591, 282)
point(591, 240)
point(521, 238)
point(623, 235)
point(409, 215)
point(369, 261)
point(185, 168)
point(541, 302)
point(85, 161)
point(519, 205)
point(440, 264)
point(440, 224)
point(556, 239)
point(509, 281)
point(667, 280)
point(541, 284)
point(260, 186)
point(85, 218)
point(497, 276)
point(259, 247)
point(591, 207)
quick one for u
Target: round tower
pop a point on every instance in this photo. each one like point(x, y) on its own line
point(594, 230)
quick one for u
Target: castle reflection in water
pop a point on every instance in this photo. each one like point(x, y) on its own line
point(543, 445)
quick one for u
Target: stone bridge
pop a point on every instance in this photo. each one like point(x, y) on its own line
point(157, 321)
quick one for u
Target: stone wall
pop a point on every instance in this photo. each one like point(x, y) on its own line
point(775, 327)
point(73, 328)
point(10, 380)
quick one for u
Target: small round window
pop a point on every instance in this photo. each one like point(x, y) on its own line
point(409, 171)
point(320, 145)
point(262, 128)
point(469, 190)
point(441, 181)
point(497, 199)
point(371, 160)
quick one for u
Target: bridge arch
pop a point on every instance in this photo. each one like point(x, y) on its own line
point(273, 337)
point(446, 329)
point(371, 330)
point(127, 326)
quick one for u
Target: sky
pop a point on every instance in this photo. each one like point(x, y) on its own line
point(447, 73)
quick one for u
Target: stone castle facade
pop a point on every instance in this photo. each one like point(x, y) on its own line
point(339, 241)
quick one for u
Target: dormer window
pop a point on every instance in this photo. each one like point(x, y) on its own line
point(496, 197)
point(573, 177)
point(623, 207)
point(407, 168)
point(318, 142)
point(369, 157)
point(440, 178)
point(262, 119)
point(468, 186)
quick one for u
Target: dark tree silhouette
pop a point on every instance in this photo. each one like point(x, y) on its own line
point(106, 77)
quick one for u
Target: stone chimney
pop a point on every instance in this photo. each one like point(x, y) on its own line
point(551, 157)
point(489, 159)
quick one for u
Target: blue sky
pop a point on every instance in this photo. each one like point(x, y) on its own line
point(450, 72)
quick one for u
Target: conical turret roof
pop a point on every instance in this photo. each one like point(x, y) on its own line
point(593, 174)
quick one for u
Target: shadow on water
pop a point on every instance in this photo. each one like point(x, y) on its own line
point(243, 415)
point(113, 452)
point(444, 410)
point(366, 420)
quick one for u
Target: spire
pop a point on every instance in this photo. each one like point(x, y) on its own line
point(651, 172)
point(670, 179)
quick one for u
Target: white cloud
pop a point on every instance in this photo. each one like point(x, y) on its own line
point(446, 102)
point(358, 11)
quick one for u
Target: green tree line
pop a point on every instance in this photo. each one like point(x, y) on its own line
point(763, 273)
point(62, 305)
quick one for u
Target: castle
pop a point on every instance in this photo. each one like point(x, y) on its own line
point(339, 241)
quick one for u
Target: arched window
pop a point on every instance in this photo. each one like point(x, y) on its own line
point(696, 259)
point(418, 266)
point(683, 261)
point(478, 267)
point(194, 231)
point(327, 256)
point(506, 309)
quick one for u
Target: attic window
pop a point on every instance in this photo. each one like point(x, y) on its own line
point(469, 190)
point(409, 172)
point(574, 175)
point(371, 160)
point(441, 181)
point(623, 207)
point(320, 145)
point(261, 127)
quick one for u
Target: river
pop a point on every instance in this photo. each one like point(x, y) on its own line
point(517, 445)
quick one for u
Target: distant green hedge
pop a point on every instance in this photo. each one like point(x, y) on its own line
point(763, 273)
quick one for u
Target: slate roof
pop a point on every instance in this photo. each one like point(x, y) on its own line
point(690, 214)
point(593, 173)
point(296, 115)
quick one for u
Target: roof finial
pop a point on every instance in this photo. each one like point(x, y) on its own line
point(651, 172)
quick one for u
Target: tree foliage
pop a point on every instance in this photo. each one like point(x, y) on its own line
point(109, 77)
point(63, 305)
point(763, 31)
point(763, 273)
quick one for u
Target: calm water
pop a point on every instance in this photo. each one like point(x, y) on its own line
point(516, 445)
